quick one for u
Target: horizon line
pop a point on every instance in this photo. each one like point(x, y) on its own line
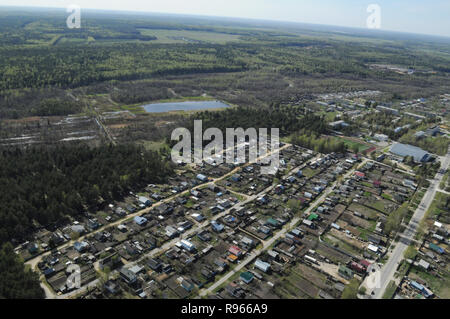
point(447, 37)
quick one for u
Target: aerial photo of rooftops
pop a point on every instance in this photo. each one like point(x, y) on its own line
point(212, 152)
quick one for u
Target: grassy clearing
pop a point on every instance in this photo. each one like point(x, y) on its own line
point(378, 204)
point(437, 206)
point(386, 196)
point(439, 285)
point(154, 145)
point(364, 233)
point(390, 290)
point(185, 36)
point(445, 179)
point(308, 172)
point(352, 144)
point(342, 244)
point(370, 213)
point(436, 209)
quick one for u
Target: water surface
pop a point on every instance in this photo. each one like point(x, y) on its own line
point(183, 106)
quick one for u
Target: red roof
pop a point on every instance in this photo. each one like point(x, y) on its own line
point(235, 250)
point(360, 174)
point(357, 267)
point(365, 263)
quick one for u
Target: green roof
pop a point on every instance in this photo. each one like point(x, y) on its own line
point(345, 271)
point(273, 222)
point(313, 217)
point(247, 276)
point(436, 248)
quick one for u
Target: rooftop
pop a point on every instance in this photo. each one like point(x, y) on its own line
point(403, 150)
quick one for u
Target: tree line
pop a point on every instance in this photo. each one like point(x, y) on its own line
point(46, 185)
point(287, 119)
point(16, 281)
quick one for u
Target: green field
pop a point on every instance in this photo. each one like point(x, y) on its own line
point(186, 36)
point(352, 144)
point(154, 145)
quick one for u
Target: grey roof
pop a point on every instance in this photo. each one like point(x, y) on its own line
point(419, 134)
point(262, 265)
point(424, 264)
point(408, 150)
point(78, 228)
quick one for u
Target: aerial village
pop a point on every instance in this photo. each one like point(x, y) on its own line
point(315, 229)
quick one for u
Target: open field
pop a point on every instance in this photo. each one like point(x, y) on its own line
point(185, 36)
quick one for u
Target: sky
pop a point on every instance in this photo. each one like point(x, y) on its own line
point(415, 16)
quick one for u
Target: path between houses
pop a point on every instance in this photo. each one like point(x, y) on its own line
point(390, 267)
point(269, 242)
point(33, 262)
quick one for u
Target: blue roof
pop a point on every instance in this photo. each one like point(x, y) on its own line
point(49, 271)
point(416, 285)
point(217, 226)
point(80, 245)
point(408, 150)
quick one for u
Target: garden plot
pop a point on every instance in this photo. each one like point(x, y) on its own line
point(312, 275)
point(332, 254)
point(332, 270)
point(381, 204)
point(286, 290)
point(349, 240)
point(366, 211)
point(306, 287)
point(342, 245)
point(353, 220)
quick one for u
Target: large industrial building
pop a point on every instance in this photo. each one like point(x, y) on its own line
point(403, 150)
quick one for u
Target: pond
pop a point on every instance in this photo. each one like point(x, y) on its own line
point(183, 106)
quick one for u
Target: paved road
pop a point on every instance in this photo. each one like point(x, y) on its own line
point(389, 269)
point(269, 242)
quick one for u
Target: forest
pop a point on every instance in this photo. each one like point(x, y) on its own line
point(46, 185)
point(16, 281)
point(288, 119)
point(436, 145)
point(41, 58)
point(117, 61)
point(313, 141)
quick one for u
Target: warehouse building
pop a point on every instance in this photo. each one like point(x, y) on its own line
point(403, 150)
